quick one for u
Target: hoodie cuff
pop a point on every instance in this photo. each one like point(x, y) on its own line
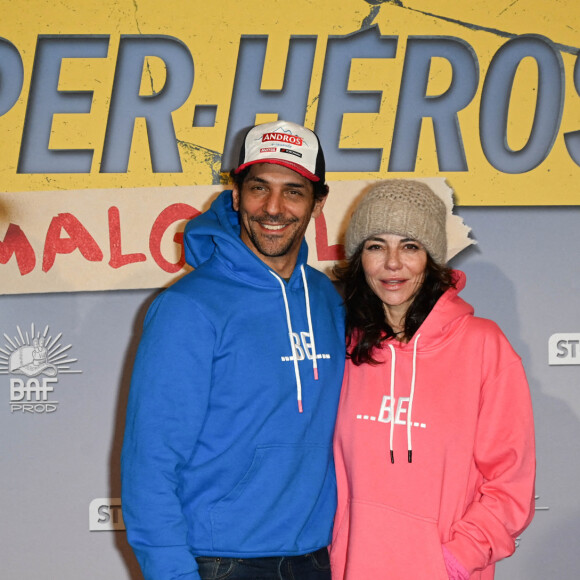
point(455, 569)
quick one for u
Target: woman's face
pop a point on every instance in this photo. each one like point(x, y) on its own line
point(394, 269)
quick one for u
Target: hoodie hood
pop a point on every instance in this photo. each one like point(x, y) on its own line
point(216, 233)
point(449, 312)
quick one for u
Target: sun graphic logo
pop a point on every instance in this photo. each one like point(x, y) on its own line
point(39, 358)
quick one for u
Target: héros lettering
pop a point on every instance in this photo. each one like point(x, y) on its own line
point(415, 103)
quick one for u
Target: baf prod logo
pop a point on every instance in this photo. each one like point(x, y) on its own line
point(35, 359)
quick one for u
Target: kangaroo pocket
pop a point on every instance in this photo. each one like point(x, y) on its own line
point(285, 501)
point(376, 541)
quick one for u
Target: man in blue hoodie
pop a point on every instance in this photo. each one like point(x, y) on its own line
point(227, 466)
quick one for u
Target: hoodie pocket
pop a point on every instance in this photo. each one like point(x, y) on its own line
point(376, 541)
point(285, 501)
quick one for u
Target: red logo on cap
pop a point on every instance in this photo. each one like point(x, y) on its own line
point(284, 137)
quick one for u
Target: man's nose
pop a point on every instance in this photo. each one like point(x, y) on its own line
point(273, 203)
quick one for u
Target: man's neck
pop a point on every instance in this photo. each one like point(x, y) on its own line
point(284, 268)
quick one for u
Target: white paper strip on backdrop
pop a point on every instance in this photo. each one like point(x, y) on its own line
point(128, 238)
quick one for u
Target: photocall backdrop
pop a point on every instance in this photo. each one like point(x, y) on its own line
point(120, 121)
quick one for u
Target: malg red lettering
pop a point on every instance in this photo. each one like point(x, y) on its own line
point(16, 244)
point(171, 214)
point(79, 238)
point(119, 259)
point(324, 252)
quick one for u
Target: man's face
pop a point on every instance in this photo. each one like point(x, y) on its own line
point(275, 206)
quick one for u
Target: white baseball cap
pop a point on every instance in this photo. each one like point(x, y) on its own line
point(284, 143)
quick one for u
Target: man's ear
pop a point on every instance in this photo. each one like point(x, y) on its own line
point(318, 205)
point(235, 197)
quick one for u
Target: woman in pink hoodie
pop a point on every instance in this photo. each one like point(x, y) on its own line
point(434, 442)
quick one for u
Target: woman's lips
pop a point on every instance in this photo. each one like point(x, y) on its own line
point(393, 284)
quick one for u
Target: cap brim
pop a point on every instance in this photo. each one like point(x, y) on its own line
point(294, 166)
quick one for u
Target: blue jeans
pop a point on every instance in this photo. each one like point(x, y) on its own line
point(314, 566)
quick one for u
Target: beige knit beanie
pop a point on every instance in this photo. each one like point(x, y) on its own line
point(402, 207)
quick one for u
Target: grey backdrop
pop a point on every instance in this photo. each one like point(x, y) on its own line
point(524, 273)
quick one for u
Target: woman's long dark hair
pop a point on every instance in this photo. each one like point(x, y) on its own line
point(366, 324)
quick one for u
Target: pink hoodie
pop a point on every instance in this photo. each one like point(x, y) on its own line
point(462, 410)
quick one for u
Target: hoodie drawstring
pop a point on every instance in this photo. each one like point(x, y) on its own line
point(310, 329)
point(392, 403)
point(411, 398)
point(291, 334)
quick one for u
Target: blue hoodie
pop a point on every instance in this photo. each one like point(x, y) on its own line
point(217, 458)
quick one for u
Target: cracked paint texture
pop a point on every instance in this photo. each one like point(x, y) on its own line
point(212, 33)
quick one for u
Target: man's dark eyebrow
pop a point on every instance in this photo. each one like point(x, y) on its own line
point(265, 181)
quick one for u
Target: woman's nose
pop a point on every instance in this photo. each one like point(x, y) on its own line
point(392, 259)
